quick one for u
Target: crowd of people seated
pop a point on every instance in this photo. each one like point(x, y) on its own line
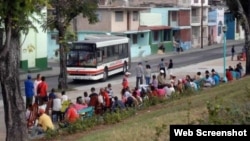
point(58, 109)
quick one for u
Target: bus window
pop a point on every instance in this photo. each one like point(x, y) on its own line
point(125, 49)
point(120, 51)
point(99, 56)
point(83, 58)
point(91, 60)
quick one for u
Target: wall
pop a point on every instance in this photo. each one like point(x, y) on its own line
point(150, 19)
point(103, 25)
point(184, 18)
point(132, 23)
point(142, 47)
point(220, 23)
point(164, 13)
point(212, 17)
point(184, 3)
point(241, 34)
point(168, 47)
point(34, 46)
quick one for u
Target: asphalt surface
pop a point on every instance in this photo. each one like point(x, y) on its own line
point(179, 60)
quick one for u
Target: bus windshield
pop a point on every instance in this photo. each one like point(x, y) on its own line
point(81, 58)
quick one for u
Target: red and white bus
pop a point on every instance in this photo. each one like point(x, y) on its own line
point(98, 57)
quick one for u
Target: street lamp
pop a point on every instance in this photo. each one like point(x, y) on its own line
point(224, 29)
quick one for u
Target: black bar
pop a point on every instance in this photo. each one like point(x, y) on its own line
point(215, 132)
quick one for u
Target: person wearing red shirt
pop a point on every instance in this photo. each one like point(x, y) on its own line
point(106, 99)
point(42, 90)
point(71, 115)
point(229, 75)
point(125, 83)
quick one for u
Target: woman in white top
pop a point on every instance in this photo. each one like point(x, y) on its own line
point(147, 74)
point(64, 96)
point(36, 82)
point(56, 109)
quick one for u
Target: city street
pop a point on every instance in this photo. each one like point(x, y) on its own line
point(179, 60)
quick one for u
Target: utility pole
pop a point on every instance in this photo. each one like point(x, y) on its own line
point(202, 1)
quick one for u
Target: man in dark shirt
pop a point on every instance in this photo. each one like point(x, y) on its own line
point(93, 99)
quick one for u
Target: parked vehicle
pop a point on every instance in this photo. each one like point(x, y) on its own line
point(98, 57)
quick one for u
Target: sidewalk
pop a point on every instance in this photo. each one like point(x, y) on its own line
point(158, 56)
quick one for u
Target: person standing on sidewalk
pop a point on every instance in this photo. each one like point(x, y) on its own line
point(162, 67)
point(29, 91)
point(125, 83)
point(36, 83)
point(148, 74)
point(232, 53)
point(139, 74)
point(170, 66)
point(42, 90)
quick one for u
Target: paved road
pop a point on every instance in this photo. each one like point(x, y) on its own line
point(178, 59)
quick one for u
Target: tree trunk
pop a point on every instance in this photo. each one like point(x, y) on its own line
point(247, 37)
point(62, 79)
point(246, 21)
point(14, 109)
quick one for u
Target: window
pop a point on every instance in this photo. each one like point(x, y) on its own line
point(142, 35)
point(118, 16)
point(156, 35)
point(134, 38)
point(123, 51)
point(99, 56)
point(174, 16)
point(111, 51)
point(166, 35)
point(194, 12)
point(135, 16)
point(196, 1)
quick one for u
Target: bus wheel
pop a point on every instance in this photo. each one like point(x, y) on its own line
point(105, 75)
point(125, 67)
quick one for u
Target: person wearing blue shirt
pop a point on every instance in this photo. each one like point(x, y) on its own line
point(29, 90)
point(52, 94)
point(117, 104)
point(216, 79)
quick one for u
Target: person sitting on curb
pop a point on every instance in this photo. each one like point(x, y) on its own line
point(71, 116)
point(106, 99)
point(208, 81)
point(44, 124)
point(162, 82)
point(80, 104)
point(117, 104)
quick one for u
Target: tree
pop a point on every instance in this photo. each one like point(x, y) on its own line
point(64, 11)
point(15, 19)
point(241, 11)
